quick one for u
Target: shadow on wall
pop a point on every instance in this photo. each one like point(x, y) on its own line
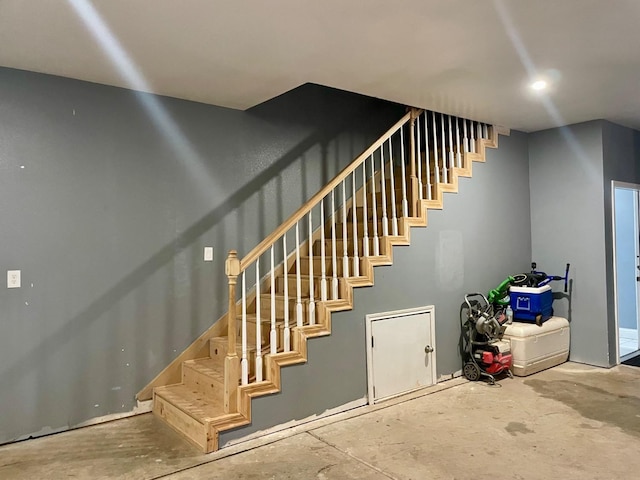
point(333, 128)
point(565, 308)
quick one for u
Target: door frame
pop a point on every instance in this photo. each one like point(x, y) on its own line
point(369, 319)
point(626, 186)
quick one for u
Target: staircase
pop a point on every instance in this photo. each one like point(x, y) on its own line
point(308, 268)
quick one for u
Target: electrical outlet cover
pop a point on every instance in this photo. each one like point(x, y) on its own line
point(13, 278)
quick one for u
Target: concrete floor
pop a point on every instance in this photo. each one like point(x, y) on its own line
point(569, 422)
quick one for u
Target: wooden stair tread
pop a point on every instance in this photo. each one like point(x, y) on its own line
point(207, 366)
point(191, 402)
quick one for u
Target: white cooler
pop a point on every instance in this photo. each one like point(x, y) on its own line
point(535, 348)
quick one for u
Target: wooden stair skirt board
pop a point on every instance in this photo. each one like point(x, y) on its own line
point(188, 395)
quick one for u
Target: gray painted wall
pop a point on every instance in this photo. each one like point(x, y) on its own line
point(626, 271)
point(621, 155)
point(483, 233)
point(109, 216)
point(568, 225)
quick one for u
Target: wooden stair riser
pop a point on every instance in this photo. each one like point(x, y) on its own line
point(360, 227)
point(200, 381)
point(360, 214)
point(265, 305)
point(304, 284)
point(219, 346)
point(378, 196)
point(304, 265)
point(265, 334)
point(197, 432)
point(265, 330)
point(317, 246)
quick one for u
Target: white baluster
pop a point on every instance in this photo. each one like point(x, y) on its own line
point(451, 155)
point(376, 239)
point(473, 140)
point(478, 136)
point(345, 231)
point(244, 363)
point(354, 225)
point(273, 339)
point(405, 202)
point(419, 157)
point(323, 258)
point(385, 220)
point(394, 216)
point(298, 282)
point(287, 329)
point(435, 148)
point(365, 216)
point(485, 131)
point(334, 256)
point(465, 139)
point(445, 167)
point(258, 326)
point(427, 162)
point(458, 155)
point(312, 303)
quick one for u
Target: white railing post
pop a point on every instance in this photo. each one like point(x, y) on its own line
point(365, 216)
point(323, 257)
point(244, 363)
point(334, 257)
point(465, 139)
point(445, 167)
point(394, 217)
point(273, 339)
point(427, 160)
point(287, 329)
point(345, 236)
point(435, 148)
point(258, 325)
point(298, 282)
point(405, 202)
point(472, 129)
point(376, 239)
point(354, 224)
point(451, 154)
point(311, 311)
point(458, 155)
point(385, 220)
point(419, 158)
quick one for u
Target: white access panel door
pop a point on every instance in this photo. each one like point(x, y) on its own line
point(401, 355)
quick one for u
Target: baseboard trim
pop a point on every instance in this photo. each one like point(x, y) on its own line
point(297, 423)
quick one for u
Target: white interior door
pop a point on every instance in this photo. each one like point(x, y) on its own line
point(627, 269)
point(401, 352)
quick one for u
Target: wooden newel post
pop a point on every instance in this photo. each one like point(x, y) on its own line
point(413, 179)
point(232, 361)
point(232, 270)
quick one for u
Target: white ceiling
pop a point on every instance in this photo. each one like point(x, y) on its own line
point(465, 57)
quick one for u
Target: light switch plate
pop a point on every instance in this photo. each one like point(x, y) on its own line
point(13, 278)
point(208, 254)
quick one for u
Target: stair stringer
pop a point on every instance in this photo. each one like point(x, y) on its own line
point(300, 335)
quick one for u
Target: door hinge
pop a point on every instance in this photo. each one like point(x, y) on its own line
point(371, 341)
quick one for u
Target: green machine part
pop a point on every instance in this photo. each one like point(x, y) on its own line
point(500, 295)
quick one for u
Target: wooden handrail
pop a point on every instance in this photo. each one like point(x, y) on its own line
point(262, 247)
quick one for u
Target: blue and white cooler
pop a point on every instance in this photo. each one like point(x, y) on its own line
point(531, 304)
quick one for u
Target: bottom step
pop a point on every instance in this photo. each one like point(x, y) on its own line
point(188, 412)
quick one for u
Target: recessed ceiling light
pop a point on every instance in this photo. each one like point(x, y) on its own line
point(539, 85)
